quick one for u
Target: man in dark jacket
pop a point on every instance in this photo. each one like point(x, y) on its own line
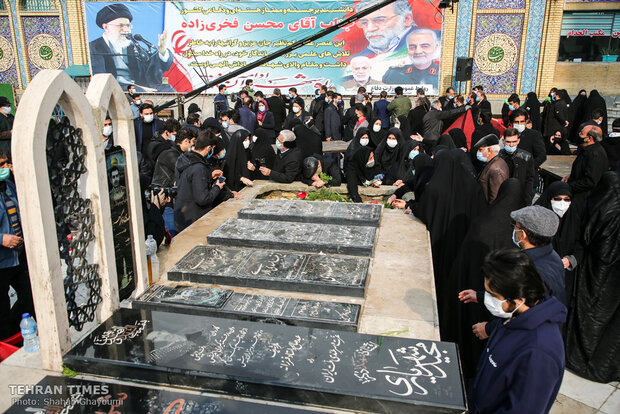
point(350, 117)
point(318, 110)
point(163, 140)
point(520, 163)
point(448, 98)
point(291, 98)
point(433, 121)
point(590, 164)
point(198, 183)
point(333, 122)
point(530, 140)
point(287, 166)
point(146, 127)
point(495, 171)
point(6, 123)
point(163, 174)
point(381, 111)
point(277, 108)
point(484, 127)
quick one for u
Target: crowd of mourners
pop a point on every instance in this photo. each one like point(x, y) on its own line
point(526, 275)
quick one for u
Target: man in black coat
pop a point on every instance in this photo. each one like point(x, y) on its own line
point(520, 163)
point(163, 174)
point(146, 127)
point(115, 53)
point(433, 121)
point(293, 97)
point(197, 181)
point(589, 166)
point(530, 140)
point(318, 110)
point(484, 127)
point(288, 163)
point(277, 108)
point(333, 122)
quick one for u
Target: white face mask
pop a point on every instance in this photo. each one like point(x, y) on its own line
point(392, 143)
point(198, 113)
point(494, 306)
point(397, 124)
point(364, 142)
point(107, 130)
point(376, 128)
point(246, 144)
point(254, 138)
point(6, 110)
point(173, 137)
point(138, 102)
point(560, 207)
point(148, 118)
point(225, 124)
point(296, 109)
point(279, 145)
point(519, 128)
point(370, 164)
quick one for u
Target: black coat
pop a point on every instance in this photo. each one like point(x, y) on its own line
point(261, 153)
point(333, 123)
point(276, 107)
point(555, 118)
point(387, 159)
point(532, 106)
point(236, 161)
point(163, 174)
point(290, 121)
point(521, 166)
point(308, 141)
point(348, 122)
point(287, 166)
point(196, 190)
point(330, 167)
point(482, 131)
point(433, 123)
point(149, 74)
point(318, 113)
point(593, 329)
point(596, 101)
point(533, 142)
point(586, 171)
point(415, 119)
point(357, 172)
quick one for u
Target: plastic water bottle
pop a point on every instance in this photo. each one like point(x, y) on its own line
point(151, 258)
point(29, 333)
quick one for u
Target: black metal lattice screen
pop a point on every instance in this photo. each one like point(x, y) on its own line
point(66, 163)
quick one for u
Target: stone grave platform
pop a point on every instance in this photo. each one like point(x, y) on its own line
point(224, 303)
point(289, 364)
point(305, 237)
point(345, 214)
point(270, 269)
point(78, 396)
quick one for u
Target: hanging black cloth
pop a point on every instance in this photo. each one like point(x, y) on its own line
point(593, 329)
point(595, 101)
point(308, 141)
point(451, 199)
point(357, 172)
point(490, 230)
point(236, 161)
point(262, 153)
point(532, 106)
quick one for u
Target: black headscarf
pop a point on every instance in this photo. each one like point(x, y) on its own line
point(377, 138)
point(452, 198)
point(532, 106)
point(414, 119)
point(596, 101)
point(386, 157)
point(465, 161)
point(236, 161)
point(446, 141)
point(579, 106)
point(490, 230)
point(357, 172)
point(458, 137)
point(262, 149)
point(593, 328)
point(405, 130)
point(354, 144)
point(405, 164)
point(212, 122)
point(423, 166)
point(308, 141)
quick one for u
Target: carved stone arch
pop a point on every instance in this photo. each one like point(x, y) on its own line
point(106, 96)
point(30, 129)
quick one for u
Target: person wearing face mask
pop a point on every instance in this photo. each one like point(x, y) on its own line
point(512, 104)
point(6, 123)
point(261, 154)
point(589, 166)
point(530, 140)
point(162, 141)
point(333, 122)
point(522, 366)
point(146, 127)
point(135, 103)
point(198, 183)
point(247, 118)
point(360, 171)
point(265, 118)
point(236, 160)
point(318, 109)
point(287, 166)
point(556, 114)
point(433, 120)
point(595, 102)
point(292, 98)
point(388, 155)
point(377, 134)
point(317, 164)
point(380, 110)
point(557, 145)
point(361, 121)
point(520, 162)
point(13, 266)
point(484, 127)
point(361, 139)
point(495, 170)
point(107, 137)
point(297, 113)
point(403, 172)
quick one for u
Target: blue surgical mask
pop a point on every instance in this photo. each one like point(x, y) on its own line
point(481, 157)
point(511, 107)
point(477, 99)
point(4, 173)
point(510, 149)
point(290, 95)
point(222, 154)
point(450, 97)
point(414, 153)
point(514, 239)
point(210, 154)
point(225, 124)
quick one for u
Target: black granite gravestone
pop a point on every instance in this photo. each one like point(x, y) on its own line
point(258, 308)
point(281, 363)
point(268, 269)
point(305, 237)
point(347, 214)
point(73, 396)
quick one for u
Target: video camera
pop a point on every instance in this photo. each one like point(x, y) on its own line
point(169, 192)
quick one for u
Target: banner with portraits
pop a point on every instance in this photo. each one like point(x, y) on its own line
point(177, 46)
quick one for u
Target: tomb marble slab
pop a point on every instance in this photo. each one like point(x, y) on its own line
point(269, 269)
point(77, 396)
point(259, 308)
point(319, 367)
point(349, 214)
point(305, 237)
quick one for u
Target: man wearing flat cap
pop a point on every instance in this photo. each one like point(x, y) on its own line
point(115, 52)
point(534, 229)
point(495, 170)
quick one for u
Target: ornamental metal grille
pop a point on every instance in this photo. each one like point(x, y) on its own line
point(66, 163)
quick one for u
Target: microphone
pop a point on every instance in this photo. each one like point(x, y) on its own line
point(139, 38)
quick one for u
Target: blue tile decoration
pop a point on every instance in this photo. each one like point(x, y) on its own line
point(501, 4)
point(13, 6)
point(532, 46)
point(463, 31)
point(496, 52)
point(43, 37)
point(65, 18)
point(8, 54)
